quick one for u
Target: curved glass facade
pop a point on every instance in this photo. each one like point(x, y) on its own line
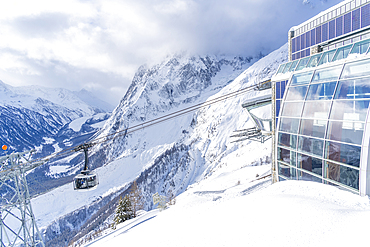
point(321, 124)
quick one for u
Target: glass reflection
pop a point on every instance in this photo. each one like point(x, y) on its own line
point(342, 174)
point(308, 177)
point(313, 127)
point(342, 52)
point(303, 78)
point(287, 67)
point(296, 93)
point(327, 57)
point(349, 110)
point(316, 109)
point(360, 47)
point(328, 74)
point(311, 145)
point(353, 89)
point(287, 140)
point(322, 91)
point(286, 156)
point(310, 164)
point(344, 153)
point(289, 125)
point(350, 132)
point(314, 60)
point(356, 69)
point(292, 109)
point(293, 66)
point(287, 171)
point(302, 63)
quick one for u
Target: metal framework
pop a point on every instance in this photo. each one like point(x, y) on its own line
point(17, 221)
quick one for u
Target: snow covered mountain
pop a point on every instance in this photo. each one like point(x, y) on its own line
point(172, 155)
point(31, 115)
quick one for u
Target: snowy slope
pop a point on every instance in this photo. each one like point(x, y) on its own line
point(291, 213)
point(174, 154)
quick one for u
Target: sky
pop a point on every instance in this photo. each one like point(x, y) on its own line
point(98, 45)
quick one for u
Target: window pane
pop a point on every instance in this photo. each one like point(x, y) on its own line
point(310, 164)
point(287, 67)
point(292, 109)
point(302, 63)
point(281, 68)
point(356, 69)
point(277, 107)
point(293, 66)
point(311, 145)
point(313, 127)
point(322, 91)
point(308, 177)
point(287, 171)
point(353, 89)
point(286, 156)
point(343, 153)
point(277, 89)
point(350, 132)
point(327, 57)
point(328, 74)
point(288, 140)
point(314, 61)
point(289, 125)
point(360, 47)
point(349, 110)
point(296, 93)
point(303, 78)
point(345, 175)
point(342, 52)
point(316, 109)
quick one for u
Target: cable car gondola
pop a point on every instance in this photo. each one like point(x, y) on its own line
point(87, 180)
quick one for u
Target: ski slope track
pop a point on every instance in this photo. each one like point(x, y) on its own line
point(173, 155)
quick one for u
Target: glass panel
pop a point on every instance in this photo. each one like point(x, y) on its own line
point(293, 66)
point(277, 108)
point(316, 109)
point(289, 125)
point(328, 74)
point(296, 93)
point(327, 57)
point(281, 68)
point(323, 91)
point(343, 153)
point(311, 145)
point(353, 89)
point(356, 69)
point(342, 52)
point(350, 132)
point(360, 47)
point(307, 177)
point(287, 171)
point(303, 78)
point(286, 156)
point(349, 110)
point(287, 67)
point(314, 61)
point(344, 175)
point(292, 109)
point(310, 164)
point(302, 63)
point(313, 127)
point(287, 140)
point(277, 89)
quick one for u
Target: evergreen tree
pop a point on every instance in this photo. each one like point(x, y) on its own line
point(123, 211)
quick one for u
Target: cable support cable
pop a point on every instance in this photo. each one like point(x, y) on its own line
point(147, 124)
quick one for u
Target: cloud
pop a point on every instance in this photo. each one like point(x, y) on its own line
point(76, 44)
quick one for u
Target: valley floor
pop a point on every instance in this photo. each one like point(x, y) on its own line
point(234, 208)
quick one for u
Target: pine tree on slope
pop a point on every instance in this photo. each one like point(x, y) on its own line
point(123, 211)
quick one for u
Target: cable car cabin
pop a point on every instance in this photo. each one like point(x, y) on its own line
point(85, 181)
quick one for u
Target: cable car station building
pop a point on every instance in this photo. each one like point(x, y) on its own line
point(321, 100)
